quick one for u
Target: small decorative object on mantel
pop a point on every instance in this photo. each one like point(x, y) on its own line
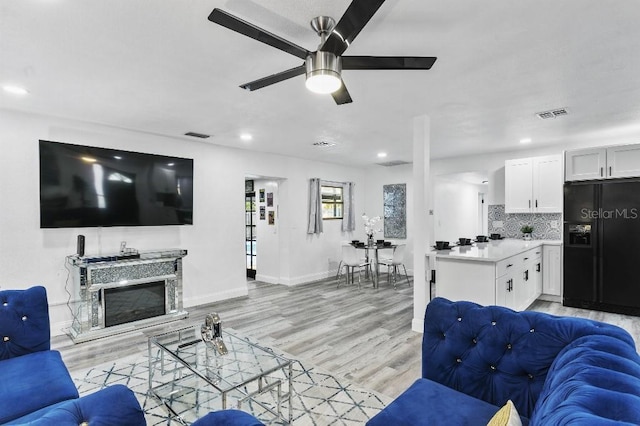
point(211, 332)
point(370, 228)
point(526, 232)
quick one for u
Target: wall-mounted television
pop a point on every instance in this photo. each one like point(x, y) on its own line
point(85, 186)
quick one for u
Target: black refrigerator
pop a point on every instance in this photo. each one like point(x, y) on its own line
point(602, 245)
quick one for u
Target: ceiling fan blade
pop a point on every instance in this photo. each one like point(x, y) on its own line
point(387, 62)
point(342, 96)
point(275, 78)
point(233, 23)
point(354, 19)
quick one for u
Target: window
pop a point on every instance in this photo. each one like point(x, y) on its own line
point(332, 202)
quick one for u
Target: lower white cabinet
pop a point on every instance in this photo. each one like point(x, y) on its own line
point(552, 272)
point(519, 280)
point(515, 282)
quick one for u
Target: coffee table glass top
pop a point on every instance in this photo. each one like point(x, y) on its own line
point(191, 378)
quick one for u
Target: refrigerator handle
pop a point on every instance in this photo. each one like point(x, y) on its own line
point(601, 170)
point(529, 203)
point(609, 171)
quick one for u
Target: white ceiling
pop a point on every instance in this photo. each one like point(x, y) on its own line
point(160, 66)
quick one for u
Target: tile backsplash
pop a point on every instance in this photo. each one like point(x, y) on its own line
point(543, 223)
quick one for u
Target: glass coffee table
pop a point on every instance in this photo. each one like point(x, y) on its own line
point(191, 379)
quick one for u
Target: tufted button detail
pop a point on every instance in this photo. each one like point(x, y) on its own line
point(530, 376)
point(84, 424)
point(24, 318)
point(444, 335)
point(493, 323)
point(5, 339)
point(5, 304)
point(493, 367)
point(459, 319)
point(474, 340)
point(458, 360)
point(509, 346)
point(532, 330)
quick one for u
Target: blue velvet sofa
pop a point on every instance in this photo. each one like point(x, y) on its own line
point(36, 388)
point(555, 370)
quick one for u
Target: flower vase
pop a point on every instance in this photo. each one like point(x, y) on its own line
point(370, 240)
point(527, 236)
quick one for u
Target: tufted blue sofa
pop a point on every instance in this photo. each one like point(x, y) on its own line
point(556, 370)
point(36, 388)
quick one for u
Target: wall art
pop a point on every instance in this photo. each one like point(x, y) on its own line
point(395, 210)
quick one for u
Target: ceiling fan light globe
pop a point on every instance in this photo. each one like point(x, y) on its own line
point(323, 82)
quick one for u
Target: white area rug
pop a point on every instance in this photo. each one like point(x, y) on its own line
point(317, 399)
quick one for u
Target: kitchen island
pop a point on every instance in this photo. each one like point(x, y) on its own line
point(500, 272)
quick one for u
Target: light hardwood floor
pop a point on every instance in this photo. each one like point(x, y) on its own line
point(363, 336)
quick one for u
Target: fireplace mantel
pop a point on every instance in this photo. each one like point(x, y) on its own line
point(95, 277)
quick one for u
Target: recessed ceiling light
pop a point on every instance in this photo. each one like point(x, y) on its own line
point(15, 90)
point(382, 154)
point(525, 140)
point(117, 157)
point(89, 159)
point(171, 164)
point(246, 136)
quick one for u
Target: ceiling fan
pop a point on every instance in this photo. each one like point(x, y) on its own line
point(323, 67)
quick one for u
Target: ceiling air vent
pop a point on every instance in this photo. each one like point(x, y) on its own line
point(197, 135)
point(393, 163)
point(559, 112)
point(323, 144)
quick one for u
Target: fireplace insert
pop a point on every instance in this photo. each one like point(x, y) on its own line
point(134, 302)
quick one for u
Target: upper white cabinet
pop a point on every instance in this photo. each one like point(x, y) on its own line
point(603, 163)
point(533, 185)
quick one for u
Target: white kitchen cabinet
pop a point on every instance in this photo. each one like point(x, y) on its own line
point(603, 163)
point(518, 181)
point(505, 273)
point(552, 273)
point(623, 161)
point(585, 164)
point(534, 185)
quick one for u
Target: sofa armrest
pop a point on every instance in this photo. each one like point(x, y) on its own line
point(113, 405)
point(593, 381)
point(228, 418)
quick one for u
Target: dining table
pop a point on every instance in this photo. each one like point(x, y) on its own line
point(375, 248)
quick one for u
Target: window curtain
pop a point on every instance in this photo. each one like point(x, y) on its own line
point(315, 207)
point(348, 215)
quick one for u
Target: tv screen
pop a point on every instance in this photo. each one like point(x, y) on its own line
point(83, 186)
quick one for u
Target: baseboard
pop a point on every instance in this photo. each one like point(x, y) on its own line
point(417, 325)
point(267, 279)
point(215, 297)
point(305, 279)
point(550, 298)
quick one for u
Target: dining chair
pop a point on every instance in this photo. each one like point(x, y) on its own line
point(350, 261)
point(393, 265)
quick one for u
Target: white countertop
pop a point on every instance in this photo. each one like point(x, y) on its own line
point(492, 251)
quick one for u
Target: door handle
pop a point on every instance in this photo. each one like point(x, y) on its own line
point(609, 171)
point(526, 275)
point(601, 171)
point(536, 204)
point(510, 284)
point(510, 265)
point(529, 203)
point(538, 267)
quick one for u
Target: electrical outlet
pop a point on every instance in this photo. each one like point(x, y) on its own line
point(497, 224)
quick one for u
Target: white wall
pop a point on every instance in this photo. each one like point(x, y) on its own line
point(456, 209)
point(377, 177)
point(215, 266)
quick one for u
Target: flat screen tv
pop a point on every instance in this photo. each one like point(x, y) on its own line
point(83, 186)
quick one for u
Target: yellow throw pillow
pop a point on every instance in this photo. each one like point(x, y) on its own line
point(506, 416)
